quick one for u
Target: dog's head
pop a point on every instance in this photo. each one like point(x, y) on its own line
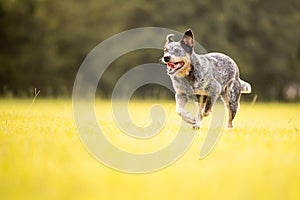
point(177, 55)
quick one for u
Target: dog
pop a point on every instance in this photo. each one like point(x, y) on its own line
point(202, 79)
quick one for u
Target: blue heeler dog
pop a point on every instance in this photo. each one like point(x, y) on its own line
point(202, 79)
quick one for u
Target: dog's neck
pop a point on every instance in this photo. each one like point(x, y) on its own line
point(191, 76)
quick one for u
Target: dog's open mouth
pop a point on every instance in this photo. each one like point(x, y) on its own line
point(174, 66)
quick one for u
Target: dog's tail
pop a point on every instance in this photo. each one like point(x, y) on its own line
point(245, 87)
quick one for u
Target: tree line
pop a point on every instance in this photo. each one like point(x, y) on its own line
point(43, 42)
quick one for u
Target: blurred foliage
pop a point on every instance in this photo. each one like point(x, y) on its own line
point(43, 42)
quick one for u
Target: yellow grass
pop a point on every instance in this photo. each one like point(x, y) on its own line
point(41, 156)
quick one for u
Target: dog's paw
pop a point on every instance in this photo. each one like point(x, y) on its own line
point(207, 113)
point(197, 126)
point(191, 120)
point(229, 127)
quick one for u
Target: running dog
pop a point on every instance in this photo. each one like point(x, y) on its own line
point(202, 79)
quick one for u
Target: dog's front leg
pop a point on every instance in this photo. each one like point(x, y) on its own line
point(181, 100)
point(199, 115)
point(214, 90)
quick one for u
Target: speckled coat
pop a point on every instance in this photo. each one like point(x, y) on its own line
point(202, 79)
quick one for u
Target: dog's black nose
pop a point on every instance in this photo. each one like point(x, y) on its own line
point(167, 58)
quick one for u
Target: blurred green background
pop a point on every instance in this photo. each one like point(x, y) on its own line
point(43, 42)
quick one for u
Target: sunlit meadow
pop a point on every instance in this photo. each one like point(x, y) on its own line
point(42, 157)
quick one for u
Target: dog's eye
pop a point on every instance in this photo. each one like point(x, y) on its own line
point(177, 50)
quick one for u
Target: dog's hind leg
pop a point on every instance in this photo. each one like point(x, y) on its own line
point(232, 101)
point(181, 100)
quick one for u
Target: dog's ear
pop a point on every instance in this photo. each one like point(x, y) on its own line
point(188, 39)
point(169, 38)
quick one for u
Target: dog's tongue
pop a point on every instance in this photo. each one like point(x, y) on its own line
point(175, 65)
point(171, 65)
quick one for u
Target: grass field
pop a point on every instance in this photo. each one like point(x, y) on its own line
point(41, 156)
